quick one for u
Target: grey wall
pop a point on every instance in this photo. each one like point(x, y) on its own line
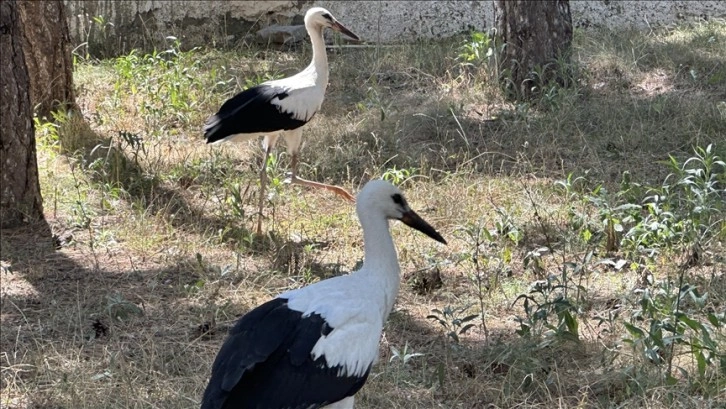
point(139, 23)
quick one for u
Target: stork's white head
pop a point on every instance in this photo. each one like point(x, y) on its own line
point(319, 18)
point(379, 197)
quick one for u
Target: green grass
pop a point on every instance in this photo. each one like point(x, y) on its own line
point(572, 224)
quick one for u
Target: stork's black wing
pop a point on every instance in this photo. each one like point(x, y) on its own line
point(265, 363)
point(250, 112)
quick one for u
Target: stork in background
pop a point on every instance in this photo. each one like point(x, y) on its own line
point(280, 108)
point(315, 346)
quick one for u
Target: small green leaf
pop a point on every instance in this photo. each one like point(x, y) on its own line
point(701, 362)
point(571, 323)
point(693, 324)
point(586, 235)
point(469, 318)
point(466, 328)
point(634, 331)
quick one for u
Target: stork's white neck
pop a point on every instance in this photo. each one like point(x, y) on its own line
point(380, 263)
point(319, 64)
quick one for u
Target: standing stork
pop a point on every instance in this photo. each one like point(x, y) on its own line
point(280, 108)
point(315, 346)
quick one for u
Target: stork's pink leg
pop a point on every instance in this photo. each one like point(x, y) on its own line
point(304, 182)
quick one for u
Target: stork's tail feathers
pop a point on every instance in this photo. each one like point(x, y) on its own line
point(210, 128)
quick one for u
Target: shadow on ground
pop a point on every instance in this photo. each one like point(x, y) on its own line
point(66, 312)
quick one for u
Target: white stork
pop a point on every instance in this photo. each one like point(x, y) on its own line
point(280, 108)
point(315, 346)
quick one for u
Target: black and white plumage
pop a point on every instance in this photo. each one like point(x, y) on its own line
point(280, 108)
point(315, 346)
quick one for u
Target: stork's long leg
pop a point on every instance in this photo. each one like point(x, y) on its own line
point(263, 186)
point(304, 182)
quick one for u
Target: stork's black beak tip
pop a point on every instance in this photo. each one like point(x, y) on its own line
point(411, 219)
point(438, 238)
point(342, 29)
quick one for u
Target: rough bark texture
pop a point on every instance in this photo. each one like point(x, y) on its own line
point(20, 200)
point(47, 48)
point(535, 34)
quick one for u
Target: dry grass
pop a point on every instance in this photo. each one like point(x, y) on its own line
point(153, 257)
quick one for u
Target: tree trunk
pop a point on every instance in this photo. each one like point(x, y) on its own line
point(47, 48)
point(536, 36)
point(20, 200)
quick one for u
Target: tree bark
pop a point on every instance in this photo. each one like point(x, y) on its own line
point(20, 199)
point(47, 48)
point(537, 36)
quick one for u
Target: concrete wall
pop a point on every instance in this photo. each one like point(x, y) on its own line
point(140, 23)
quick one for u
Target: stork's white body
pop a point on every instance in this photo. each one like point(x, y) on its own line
point(356, 305)
point(305, 92)
point(298, 97)
point(324, 336)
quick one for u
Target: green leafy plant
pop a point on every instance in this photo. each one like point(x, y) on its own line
point(260, 77)
point(398, 176)
point(506, 227)
point(672, 315)
point(165, 86)
point(452, 321)
point(686, 211)
point(478, 57)
point(478, 48)
point(46, 135)
point(96, 32)
point(487, 256)
point(403, 355)
point(82, 211)
point(235, 200)
point(546, 307)
point(120, 309)
point(276, 176)
point(613, 210)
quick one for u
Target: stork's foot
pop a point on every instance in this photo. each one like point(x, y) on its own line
point(290, 178)
point(341, 192)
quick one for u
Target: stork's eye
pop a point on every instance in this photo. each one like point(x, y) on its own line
point(398, 199)
point(328, 17)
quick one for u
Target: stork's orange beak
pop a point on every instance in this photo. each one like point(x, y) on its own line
point(342, 29)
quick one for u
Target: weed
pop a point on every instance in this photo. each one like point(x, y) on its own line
point(480, 53)
point(547, 302)
point(452, 321)
point(672, 315)
point(488, 258)
point(398, 176)
point(165, 86)
point(403, 355)
point(119, 308)
point(478, 48)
